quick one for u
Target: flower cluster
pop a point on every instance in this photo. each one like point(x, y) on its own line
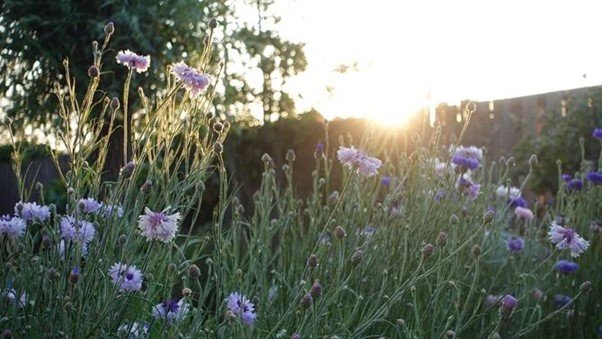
point(32, 212)
point(354, 158)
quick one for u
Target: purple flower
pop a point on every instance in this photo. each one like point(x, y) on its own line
point(242, 307)
point(575, 184)
point(439, 195)
point(170, 310)
point(193, 80)
point(30, 211)
point(468, 187)
point(89, 205)
point(80, 231)
point(518, 202)
point(12, 227)
point(566, 177)
point(524, 213)
point(515, 245)
point(12, 297)
point(158, 225)
point(561, 300)
point(109, 211)
point(385, 181)
point(353, 158)
point(567, 238)
point(128, 278)
point(368, 231)
point(492, 299)
point(597, 133)
point(467, 157)
point(507, 305)
point(594, 177)
point(566, 267)
point(319, 149)
point(132, 60)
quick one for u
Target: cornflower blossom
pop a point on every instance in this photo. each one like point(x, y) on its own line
point(518, 202)
point(594, 177)
point(353, 158)
point(108, 211)
point(89, 205)
point(561, 300)
point(468, 158)
point(566, 177)
point(469, 188)
point(11, 296)
point(515, 245)
point(441, 167)
point(368, 231)
point(80, 231)
point(567, 238)
point(566, 267)
point(133, 330)
point(507, 305)
point(170, 310)
point(597, 133)
point(158, 225)
point(507, 192)
point(242, 307)
point(132, 60)
point(128, 278)
point(12, 226)
point(575, 184)
point(385, 181)
point(192, 79)
point(31, 211)
point(524, 213)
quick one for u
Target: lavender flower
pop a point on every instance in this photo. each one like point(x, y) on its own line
point(368, 231)
point(575, 184)
point(566, 177)
point(158, 225)
point(566, 267)
point(515, 245)
point(492, 299)
point(567, 238)
point(561, 300)
point(12, 227)
point(89, 205)
point(468, 158)
point(518, 202)
point(353, 158)
point(80, 231)
point(192, 79)
point(594, 177)
point(242, 307)
point(441, 167)
point(171, 310)
point(128, 278)
point(385, 181)
point(319, 149)
point(597, 133)
point(132, 60)
point(524, 213)
point(469, 188)
point(31, 211)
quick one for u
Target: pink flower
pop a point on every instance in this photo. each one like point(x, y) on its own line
point(193, 80)
point(353, 158)
point(524, 213)
point(567, 238)
point(132, 60)
point(158, 225)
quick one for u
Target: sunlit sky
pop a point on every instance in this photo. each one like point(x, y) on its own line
point(409, 51)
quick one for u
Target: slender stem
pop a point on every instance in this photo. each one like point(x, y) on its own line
point(126, 92)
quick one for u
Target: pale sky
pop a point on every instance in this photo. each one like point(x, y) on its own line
point(453, 50)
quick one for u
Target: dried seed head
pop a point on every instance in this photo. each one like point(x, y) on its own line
point(52, 273)
point(212, 23)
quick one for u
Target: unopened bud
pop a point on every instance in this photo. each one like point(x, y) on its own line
point(357, 257)
point(218, 148)
point(146, 187)
point(93, 71)
point(442, 239)
point(476, 250)
point(316, 290)
point(171, 267)
point(7, 334)
point(533, 161)
point(290, 155)
point(109, 28)
point(212, 23)
point(122, 239)
point(52, 273)
point(193, 271)
point(186, 291)
point(218, 127)
point(428, 250)
point(115, 104)
point(312, 261)
point(306, 301)
point(450, 334)
point(127, 170)
point(339, 232)
point(454, 220)
point(488, 217)
point(586, 287)
point(74, 276)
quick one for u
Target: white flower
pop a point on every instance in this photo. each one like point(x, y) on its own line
point(158, 225)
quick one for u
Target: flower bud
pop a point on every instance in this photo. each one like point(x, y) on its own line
point(306, 301)
point(212, 23)
point(476, 250)
point(149, 277)
point(186, 292)
point(93, 71)
point(290, 155)
point(68, 306)
point(428, 250)
point(193, 271)
point(218, 148)
point(122, 239)
point(296, 336)
point(266, 158)
point(115, 104)
point(52, 273)
point(109, 28)
point(316, 290)
point(146, 187)
point(450, 334)
point(357, 257)
point(533, 161)
point(127, 170)
point(218, 127)
point(339, 232)
point(586, 287)
point(507, 305)
point(442, 239)
point(312, 261)
point(209, 115)
point(74, 276)
point(488, 217)
point(454, 220)
point(70, 190)
point(171, 267)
